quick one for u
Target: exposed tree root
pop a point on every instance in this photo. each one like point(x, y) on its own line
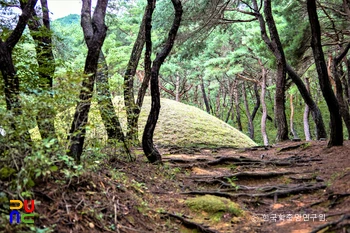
point(292, 147)
point(241, 161)
point(281, 191)
point(331, 224)
point(244, 175)
point(190, 224)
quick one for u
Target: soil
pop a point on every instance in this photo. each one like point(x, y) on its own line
point(292, 187)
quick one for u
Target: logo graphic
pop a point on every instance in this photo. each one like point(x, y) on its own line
point(26, 217)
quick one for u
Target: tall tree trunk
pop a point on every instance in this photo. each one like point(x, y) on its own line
point(238, 109)
point(11, 81)
point(315, 111)
point(274, 44)
point(41, 34)
point(94, 34)
point(263, 105)
point(249, 117)
point(106, 107)
point(336, 137)
point(149, 149)
point(133, 109)
point(343, 107)
point(206, 102)
point(306, 115)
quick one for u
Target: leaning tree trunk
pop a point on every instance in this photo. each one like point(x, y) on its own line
point(306, 115)
point(151, 152)
point(11, 81)
point(106, 107)
point(94, 34)
point(336, 125)
point(257, 103)
point(41, 34)
point(205, 98)
point(133, 109)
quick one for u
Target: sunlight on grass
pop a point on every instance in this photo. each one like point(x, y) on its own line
point(179, 124)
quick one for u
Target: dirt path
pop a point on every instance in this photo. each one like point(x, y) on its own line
point(288, 188)
point(292, 187)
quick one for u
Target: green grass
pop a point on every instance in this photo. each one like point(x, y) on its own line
point(178, 124)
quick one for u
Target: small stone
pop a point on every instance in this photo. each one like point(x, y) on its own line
point(91, 225)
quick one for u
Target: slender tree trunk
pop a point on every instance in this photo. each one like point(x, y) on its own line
point(41, 34)
point(11, 81)
point(238, 109)
point(249, 117)
point(263, 105)
point(206, 102)
point(336, 137)
point(149, 149)
point(291, 119)
point(106, 107)
point(132, 109)
point(177, 88)
point(348, 74)
point(315, 111)
point(306, 115)
point(94, 33)
point(257, 103)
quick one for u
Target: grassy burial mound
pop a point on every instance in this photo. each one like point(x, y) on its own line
point(178, 125)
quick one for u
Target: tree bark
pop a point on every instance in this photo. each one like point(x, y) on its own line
point(238, 109)
point(258, 102)
point(41, 33)
point(94, 34)
point(343, 107)
point(274, 44)
point(249, 117)
point(263, 105)
point(149, 149)
point(336, 125)
point(133, 109)
point(106, 107)
point(11, 81)
point(306, 115)
point(292, 129)
point(206, 102)
point(315, 111)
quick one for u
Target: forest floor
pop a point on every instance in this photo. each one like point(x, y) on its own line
point(292, 187)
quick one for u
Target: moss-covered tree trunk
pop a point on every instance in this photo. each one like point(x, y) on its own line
point(41, 33)
point(94, 29)
point(133, 109)
point(106, 107)
point(149, 149)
